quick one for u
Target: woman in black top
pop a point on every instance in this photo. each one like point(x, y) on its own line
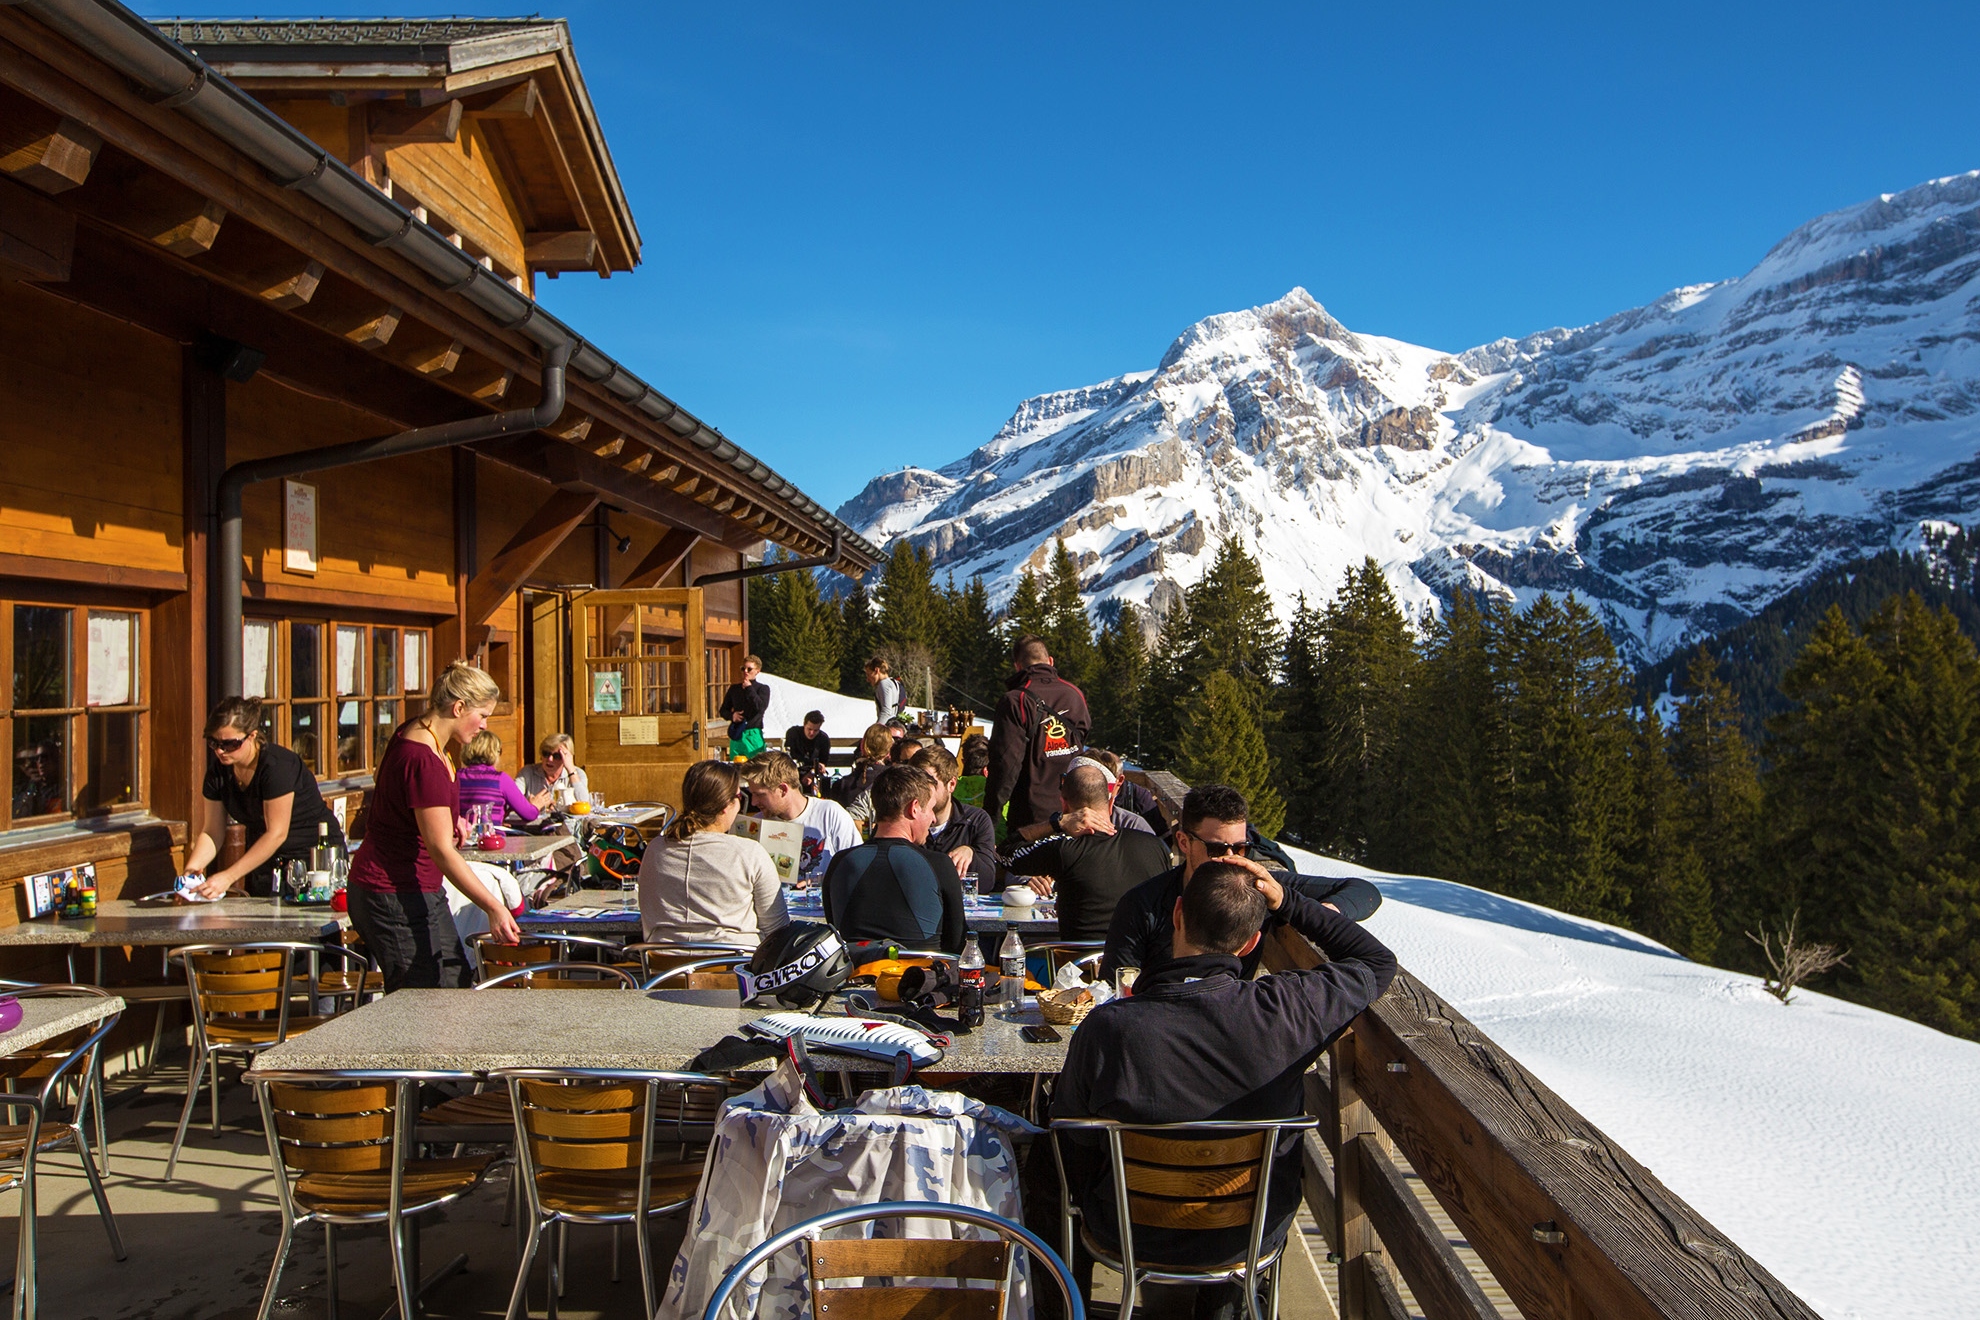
point(268, 789)
point(744, 703)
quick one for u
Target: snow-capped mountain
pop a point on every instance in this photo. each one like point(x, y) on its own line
point(1679, 465)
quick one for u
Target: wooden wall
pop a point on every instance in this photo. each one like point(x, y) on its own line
point(458, 184)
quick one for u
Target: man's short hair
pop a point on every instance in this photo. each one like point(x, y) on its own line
point(898, 785)
point(772, 769)
point(748, 660)
point(1084, 786)
point(904, 750)
point(1214, 802)
point(938, 761)
point(1222, 907)
point(877, 663)
point(1030, 649)
point(815, 717)
point(1107, 759)
point(975, 754)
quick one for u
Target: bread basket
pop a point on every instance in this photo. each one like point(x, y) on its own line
point(1058, 1007)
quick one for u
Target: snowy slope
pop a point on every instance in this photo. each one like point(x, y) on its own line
point(790, 702)
point(1681, 464)
point(1834, 1143)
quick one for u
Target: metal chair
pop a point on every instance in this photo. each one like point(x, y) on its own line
point(46, 1053)
point(669, 955)
point(52, 1064)
point(564, 976)
point(493, 958)
point(339, 1143)
point(235, 987)
point(1203, 1175)
point(1085, 953)
point(829, 1259)
point(586, 1146)
point(701, 974)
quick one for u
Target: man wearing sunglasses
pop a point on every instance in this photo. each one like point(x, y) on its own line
point(1213, 829)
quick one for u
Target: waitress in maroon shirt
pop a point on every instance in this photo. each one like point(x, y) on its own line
point(408, 849)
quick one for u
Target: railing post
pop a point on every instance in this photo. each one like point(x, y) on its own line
point(1357, 1236)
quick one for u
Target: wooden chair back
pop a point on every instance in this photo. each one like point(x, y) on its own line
point(1190, 1182)
point(702, 973)
point(961, 1260)
point(562, 976)
point(499, 958)
point(583, 1128)
point(235, 986)
point(333, 1129)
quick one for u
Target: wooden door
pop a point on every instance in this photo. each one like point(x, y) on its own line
point(637, 681)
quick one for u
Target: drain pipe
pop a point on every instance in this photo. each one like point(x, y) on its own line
point(827, 560)
point(517, 421)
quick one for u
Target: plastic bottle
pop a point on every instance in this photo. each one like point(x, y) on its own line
point(1010, 957)
point(969, 969)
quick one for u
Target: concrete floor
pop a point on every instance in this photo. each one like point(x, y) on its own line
point(200, 1246)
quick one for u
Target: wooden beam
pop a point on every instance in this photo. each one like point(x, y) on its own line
point(572, 427)
point(420, 347)
point(143, 202)
point(607, 448)
point(37, 237)
point(535, 541)
point(356, 314)
point(674, 545)
point(517, 102)
point(398, 124)
point(496, 388)
point(573, 469)
point(42, 149)
point(568, 249)
point(265, 266)
point(1441, 1284)
point(639, 461)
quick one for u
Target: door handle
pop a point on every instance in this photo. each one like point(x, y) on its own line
point(697, 737)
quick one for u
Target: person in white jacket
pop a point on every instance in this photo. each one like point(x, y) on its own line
point(698, 883)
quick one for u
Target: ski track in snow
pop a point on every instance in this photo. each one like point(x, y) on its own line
point(1834, 1143)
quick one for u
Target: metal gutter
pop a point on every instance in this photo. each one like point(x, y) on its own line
point(235, 481)
point(826, 560)
point(174, 77)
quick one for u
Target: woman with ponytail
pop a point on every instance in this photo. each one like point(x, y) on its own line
point(698, 883)
point(408, 849)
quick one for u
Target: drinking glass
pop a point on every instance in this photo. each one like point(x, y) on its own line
point(598, 802)
point(969, 884)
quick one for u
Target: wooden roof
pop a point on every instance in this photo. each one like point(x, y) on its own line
point(517, 77)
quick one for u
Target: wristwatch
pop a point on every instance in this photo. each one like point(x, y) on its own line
point(1056, 827)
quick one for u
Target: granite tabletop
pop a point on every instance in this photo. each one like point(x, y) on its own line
point(130, 921)
point(45, 1017)
point(467, 1032)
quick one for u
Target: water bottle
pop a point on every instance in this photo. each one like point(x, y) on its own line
point(969, 1001)
point(1011, 960)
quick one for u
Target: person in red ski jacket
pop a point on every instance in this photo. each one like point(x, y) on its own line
point(1041, 724)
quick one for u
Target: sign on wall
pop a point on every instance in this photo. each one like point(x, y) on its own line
point(607, 691)
point(298, 527)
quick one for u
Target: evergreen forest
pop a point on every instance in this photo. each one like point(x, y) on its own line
point(1817, 764)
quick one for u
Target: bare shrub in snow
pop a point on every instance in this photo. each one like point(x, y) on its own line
point(1792, 961)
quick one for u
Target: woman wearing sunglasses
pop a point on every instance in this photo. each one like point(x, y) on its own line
point(265, 788)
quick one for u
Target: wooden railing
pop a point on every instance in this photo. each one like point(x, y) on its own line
point(1567, 1224)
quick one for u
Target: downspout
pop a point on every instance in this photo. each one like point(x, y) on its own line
point(827, 560)
point(240, 476)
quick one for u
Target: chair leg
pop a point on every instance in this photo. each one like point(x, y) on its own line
point(1278, 1268)
point(644, 1243)
point(330, 1271)
point(24, 1271)
point(615, 1256)
point(102, 1201)
point(560, 1240)
point(406, 1285)
point(519, 1296)
point(193, 1075)
point(213, 1088)
point(275, 1270)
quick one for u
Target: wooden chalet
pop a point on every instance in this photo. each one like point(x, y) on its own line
point(286, 268)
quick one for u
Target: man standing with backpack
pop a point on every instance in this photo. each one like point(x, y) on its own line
point(1041, 724)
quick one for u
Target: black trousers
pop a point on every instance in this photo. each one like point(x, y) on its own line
point(412, 936)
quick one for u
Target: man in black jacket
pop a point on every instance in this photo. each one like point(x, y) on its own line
point(1041, 725)
point(743, 706)
point(1089, 872)
point(1199, 1041)
point(1212, 827)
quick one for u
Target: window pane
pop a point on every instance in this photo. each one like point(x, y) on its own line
point(258, 658)
point(305, 734)
point(350, 661)
point(384, 719)
point(41, 657)
point(415, 661)
point(384, 661)
point(113, 652)
point(41, 761)
point(271, 724)
point(305, 660)
point(113, 760)
point(350, 736)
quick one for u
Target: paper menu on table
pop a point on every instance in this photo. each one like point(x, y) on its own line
point(782, 839)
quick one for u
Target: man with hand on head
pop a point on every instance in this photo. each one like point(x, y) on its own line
point(776, 790)
point(960, 830)
point(894, 890)
point(1199, 1040)
point(1089, 870)
point(1106, 817)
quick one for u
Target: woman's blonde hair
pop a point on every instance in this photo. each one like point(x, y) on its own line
point(464, 683)
point(707, 789)
point(877, 743)
point(482, 749)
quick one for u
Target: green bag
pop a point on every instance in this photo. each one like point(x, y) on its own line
point(749, 744)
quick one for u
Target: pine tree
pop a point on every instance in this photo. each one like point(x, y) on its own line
point(1223, 742)
point(793, 629)
point(910, 614)
point(1670, 897)
point(1119, 690)
point(1367, 661)
point(1296, 738)
point(1564, 784)
point(975, 652)
point(1720, 806)
point(1026, 612)
point(1228, 623)
point(1449, 762)
point(1169, 690)
point(1068, 629)
point(856, 640)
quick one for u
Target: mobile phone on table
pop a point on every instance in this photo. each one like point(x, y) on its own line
point(1040, 1035)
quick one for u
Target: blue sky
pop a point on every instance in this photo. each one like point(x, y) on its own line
point(871, 230)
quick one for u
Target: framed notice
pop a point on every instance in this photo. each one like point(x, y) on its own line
point(639, 731)
point(298, 527)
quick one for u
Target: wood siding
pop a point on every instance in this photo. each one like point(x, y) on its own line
point(458, 184)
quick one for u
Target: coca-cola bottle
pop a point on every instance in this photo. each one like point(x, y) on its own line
point(969, 970)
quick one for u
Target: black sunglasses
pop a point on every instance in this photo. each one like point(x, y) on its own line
point(225, 744)
point(1216, 850)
